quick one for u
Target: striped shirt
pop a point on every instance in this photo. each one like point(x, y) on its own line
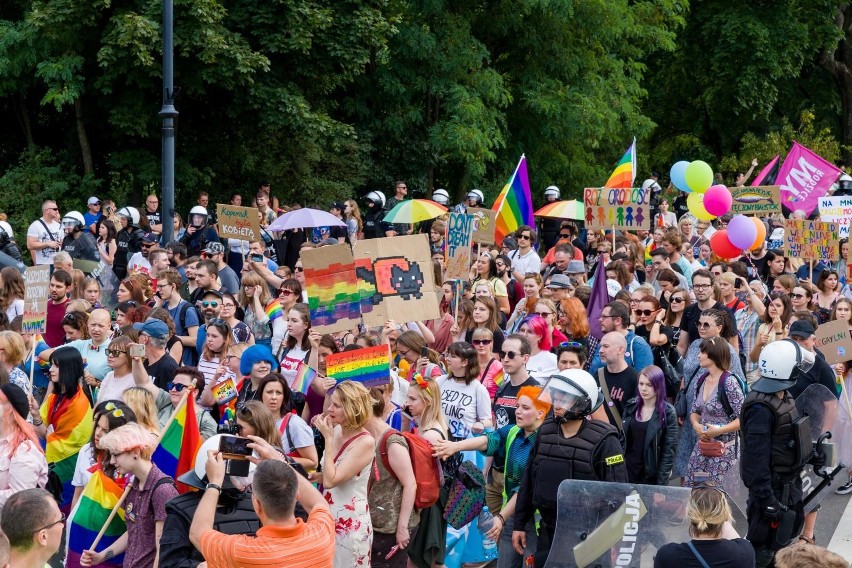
point(304, 545)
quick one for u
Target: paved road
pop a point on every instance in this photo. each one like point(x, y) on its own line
point(834, 525)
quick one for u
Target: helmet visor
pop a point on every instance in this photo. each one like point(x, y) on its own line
point(807, 362)
point(563, 395)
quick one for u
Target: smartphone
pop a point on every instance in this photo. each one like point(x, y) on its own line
point(424, 351)
point(234, 447)
point(136, 350)
point(256, 257)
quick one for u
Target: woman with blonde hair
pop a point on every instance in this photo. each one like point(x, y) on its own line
point(78, 283)
point(12, 352)
point(489, 364)
point(346, 466)
point(12, 292)
point(141, 401)
point(352, 217)
point(263, 313)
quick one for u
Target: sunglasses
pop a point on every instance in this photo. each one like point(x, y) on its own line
point(797, 296)
point(677, 300)
point(482, 341)
point(285, 292)
point(543, 314)
point(218, 322)
point(572, 344)
point(564, 236)
point(645, 313)
point(210, 304)
point(178, 387)
point(298, 269)
point(510, 354)
point(705, 325)
point(527, 237)
point(115, 352)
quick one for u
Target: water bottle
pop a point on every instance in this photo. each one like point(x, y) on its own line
point(486, 521)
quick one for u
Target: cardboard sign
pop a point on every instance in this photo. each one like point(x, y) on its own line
point(484, 221)
point(756, 200)
point(334, 299)
point(369, 366)
point(241, 223)
point(617, 208)
point(459, 234)
point(37, 281)
point(811, 240)
point(225, 391)
point(833, 341)
point(839, 210)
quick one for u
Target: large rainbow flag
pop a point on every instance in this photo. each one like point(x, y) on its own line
point(72, 428)
point(624, 173)
point(95, 504)
point(514, 205)
point(175, 454)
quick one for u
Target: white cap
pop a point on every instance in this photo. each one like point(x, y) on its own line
point(94, 200)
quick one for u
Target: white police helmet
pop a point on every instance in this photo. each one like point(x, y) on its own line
point(441, 196)
point(552, 191)
point(73, 220)
point(574, 391)
point(476, 194)
point(377, 197)
point(780, 364)
point(130, 213)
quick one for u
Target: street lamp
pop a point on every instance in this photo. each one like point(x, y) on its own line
point(168, 113)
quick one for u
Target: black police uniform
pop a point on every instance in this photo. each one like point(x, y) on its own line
point(82, 247)
point(129, 242)
point(373, 226)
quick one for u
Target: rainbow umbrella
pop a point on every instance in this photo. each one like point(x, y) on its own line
point(571, 209)
point(414, 211)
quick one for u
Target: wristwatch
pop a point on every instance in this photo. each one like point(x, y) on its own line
point(213, 486)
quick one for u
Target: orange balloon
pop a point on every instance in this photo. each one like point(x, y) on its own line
point(761, 233)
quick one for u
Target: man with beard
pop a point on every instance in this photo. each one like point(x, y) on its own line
point(60, 284)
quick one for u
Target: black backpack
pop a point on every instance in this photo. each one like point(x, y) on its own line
point(186, 306)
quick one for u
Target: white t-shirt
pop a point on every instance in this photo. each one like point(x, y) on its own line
point(139, 263)
point(113, 387)
point(290, 363)
point(463, 405)
point(37, 230)
point(85, 460)
point(15, 309)
point(524, 264)
point(300, 432)
point(541, 366)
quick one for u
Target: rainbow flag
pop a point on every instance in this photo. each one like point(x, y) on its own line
point(303, 379)
point(624, 173)
point(499, 378)
point(334, 296)
point(514, 205)
point(72, 424)
point(95, 504)
point(175, 454)
point(369, 366)
point(274, 310)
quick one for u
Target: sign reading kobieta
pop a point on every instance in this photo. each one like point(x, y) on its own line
point(239, 223)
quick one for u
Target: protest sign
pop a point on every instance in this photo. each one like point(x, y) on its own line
point(804, 178)
point(241, 223)
point(225, 391)
point(760, 200)
point(839, 210)
point(834, 342)
point(369, 366)
point(396, 279)
point(459, 233)
point(37, 281)
point(483, 225)
point(620, 208)
point(810, 240)
point(332, 287)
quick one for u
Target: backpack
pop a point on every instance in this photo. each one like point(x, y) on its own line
point(185, 306)
point(425, 467)
point(723, 395)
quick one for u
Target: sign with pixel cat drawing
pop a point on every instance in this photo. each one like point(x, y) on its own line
point(621, 208)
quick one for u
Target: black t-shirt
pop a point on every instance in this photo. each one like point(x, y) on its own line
point(821, 373)
point(755, 265)
point(162, 371)
point(634, 456)
point(623, 386)
point(506, 401)
point(689, 321)
point(722, 553)
point(153, 218)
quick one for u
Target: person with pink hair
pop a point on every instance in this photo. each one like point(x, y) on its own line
point(20, 450)
point(542, 362)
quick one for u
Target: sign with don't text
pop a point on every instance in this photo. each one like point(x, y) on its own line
point(834, 342)
point(241, 223)
point(37, 282)
point(459, 235)
point(810, 240)
point(617, 208)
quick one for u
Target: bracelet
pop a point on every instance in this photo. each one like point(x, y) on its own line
point(499, 516)
point(39, 423)
point(213, 486)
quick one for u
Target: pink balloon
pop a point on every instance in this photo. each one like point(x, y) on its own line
point(718, 200)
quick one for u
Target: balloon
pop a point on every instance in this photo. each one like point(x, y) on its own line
point(717, 200)
point(741, 231)
point(723, 247)
point(761, 233)
point(695, 204)
point(676, 175)
point(698, 176)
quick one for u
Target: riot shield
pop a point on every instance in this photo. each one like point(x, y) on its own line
point(616, 524)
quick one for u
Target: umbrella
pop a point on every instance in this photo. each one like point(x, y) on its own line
point(414, 211)
point(572, 209)
point(304, 218)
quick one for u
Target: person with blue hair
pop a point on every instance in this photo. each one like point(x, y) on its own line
point(256, 362)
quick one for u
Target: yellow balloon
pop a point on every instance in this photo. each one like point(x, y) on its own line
point(695, 204)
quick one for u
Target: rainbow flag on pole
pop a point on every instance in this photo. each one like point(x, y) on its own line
point(95, 504)
point(624, 173)
point(514, 205)
point(303, 379)
point(175, 454)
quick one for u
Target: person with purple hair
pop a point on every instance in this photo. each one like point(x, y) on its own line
point(650, 431)
point(542, 362)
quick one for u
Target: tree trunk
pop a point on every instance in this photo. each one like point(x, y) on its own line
point(837, 63)
point(85, 148)
point(23, 118)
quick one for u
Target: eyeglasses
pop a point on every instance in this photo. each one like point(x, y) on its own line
point(210, 304)
point(572, 344)
point(797, 296)
point(402, 353)
point(543, 314)
point(604, 316)
point(482, 341)
point(645, 313)
point(285, 292)
point(510, 354)
point(115, 352)
point(527, 237)
point(178, 387)
point(705, 325)
point(229, 306)
point(701, 286)
point(677, 300)
point(298, 269)
point(111, 408)
point(54, 523)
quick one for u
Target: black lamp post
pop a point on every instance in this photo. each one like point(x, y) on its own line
point(168, 113)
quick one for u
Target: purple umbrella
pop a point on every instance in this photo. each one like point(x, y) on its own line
point(304, 218)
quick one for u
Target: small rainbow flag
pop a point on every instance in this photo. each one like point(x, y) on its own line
point(95, 504)
point(274, 310)
point(72, 424)
point(303, 379)
point(499, 379)
point(370, 366)
point(175, 454)
point(624, 173)
point(514, 205)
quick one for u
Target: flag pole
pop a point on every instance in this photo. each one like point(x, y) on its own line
point(111, 517)
point(178, 408)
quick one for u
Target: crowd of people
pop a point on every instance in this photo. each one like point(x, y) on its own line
point(511, 367)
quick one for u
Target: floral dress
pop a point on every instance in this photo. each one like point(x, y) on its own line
point(712, 412)
point(353, 529)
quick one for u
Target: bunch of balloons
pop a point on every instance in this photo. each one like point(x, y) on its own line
point(706, 202)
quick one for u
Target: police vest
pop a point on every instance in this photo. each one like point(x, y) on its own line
point(373, 224)
point(560, 458)
point(784, 446)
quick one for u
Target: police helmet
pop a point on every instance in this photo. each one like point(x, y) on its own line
point(73, 220)
point(477, 195)
point(552, 191)
point(441, 196)
point(780, 364)
point(573, 393)
point(377, 197)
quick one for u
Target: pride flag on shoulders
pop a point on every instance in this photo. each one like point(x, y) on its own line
point(624, 173)
point(179, 443)
point(95, 504)
point(72, 424)
point(514, 205)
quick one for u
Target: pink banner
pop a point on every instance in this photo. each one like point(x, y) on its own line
point(804, 178)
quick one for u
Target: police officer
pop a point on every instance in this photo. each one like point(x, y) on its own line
point(568, 447)
point(771, 472)
point(78, 241)
point(550, 227)
point(373, 227)
point(8, 245)
point(128, 240)
point(198, 232)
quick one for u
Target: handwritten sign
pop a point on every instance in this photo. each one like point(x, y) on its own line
point(834, 342)
point(619, 208)
point(37, 282)
point(484, 221)
point(839, 210)
point(459, 235)
point(369, 366)
point(811, 240)
point(225, 391)
point(239, 223)
point(756, 200)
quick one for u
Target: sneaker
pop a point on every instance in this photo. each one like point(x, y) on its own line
point(845, 489)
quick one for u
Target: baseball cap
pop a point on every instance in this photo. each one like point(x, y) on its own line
point(149, 238)
point(215, 248)
point(93, 200)
point(559, 281)
point(153, 327)
point(802, 329)
point(216, 293)
point(337, 205)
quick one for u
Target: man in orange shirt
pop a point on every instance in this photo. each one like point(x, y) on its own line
point(283, 540)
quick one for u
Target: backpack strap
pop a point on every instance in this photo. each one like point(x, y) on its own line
point(605, 388)
point(383, 450)
point(697, 555)
point(285, 422)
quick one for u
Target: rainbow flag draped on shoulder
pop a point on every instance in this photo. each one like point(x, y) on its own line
point(70, 426)
point(624, 173)
point(514, 205)
point(95, 504)
point(175, 454)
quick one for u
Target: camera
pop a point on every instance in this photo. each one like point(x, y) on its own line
point(227, 427)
